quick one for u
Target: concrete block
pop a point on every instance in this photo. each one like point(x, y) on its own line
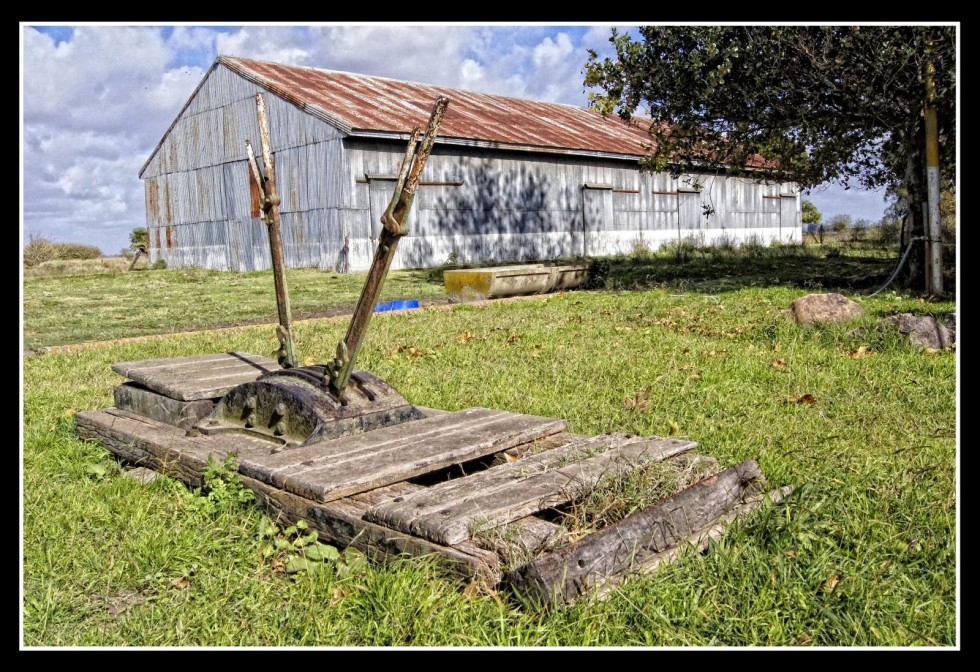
point(475, 284)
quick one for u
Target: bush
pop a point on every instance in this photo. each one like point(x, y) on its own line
point(39, 250)
point(77, 251)
point(158, 265)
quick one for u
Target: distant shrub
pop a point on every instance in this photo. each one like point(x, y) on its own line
point(77, 251)
point(39, 250)
point(158, 265)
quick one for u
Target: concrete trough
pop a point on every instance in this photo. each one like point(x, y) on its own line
point(475, 284)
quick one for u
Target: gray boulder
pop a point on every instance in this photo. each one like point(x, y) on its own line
point(821, 308)
point(925, 332)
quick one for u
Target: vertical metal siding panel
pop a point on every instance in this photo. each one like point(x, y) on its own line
point(260, 258)
point(233, 142)
point(233, 238)
point(152, 201)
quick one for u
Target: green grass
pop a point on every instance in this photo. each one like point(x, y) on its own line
point(111, 305)
point(862, 554)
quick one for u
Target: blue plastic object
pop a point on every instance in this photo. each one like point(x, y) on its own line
point(396, 305)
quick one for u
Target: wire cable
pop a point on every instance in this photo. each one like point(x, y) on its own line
point(901, 262)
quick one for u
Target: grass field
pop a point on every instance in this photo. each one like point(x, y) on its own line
point(862, 554)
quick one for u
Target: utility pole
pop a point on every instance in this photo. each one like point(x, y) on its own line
point(934, 247)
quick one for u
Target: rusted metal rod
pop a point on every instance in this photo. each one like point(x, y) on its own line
point(395, 223)
point(265, 184)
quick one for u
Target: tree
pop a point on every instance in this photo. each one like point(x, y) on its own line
point(139, 241)
point(808, 104)
point(840, 223)
point(810, 213)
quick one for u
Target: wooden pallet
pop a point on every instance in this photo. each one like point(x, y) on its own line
point(479, 488)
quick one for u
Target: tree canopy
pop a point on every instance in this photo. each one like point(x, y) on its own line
point(840, 104)
point(808, 104)
point(810, 213)
point(139, 239)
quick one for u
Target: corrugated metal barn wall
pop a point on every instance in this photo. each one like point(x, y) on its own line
point(490, 205)
point(475, 204)
point(197, 196)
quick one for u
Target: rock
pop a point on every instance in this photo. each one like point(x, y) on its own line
point(141, 475)
point(925, 332)
point(814, 308)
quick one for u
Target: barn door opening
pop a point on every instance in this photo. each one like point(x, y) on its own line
point(380, 188)
point(790, 221)
point(597, 216)
point(689, 220)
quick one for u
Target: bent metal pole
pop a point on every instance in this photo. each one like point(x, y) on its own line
point(264, 187)
point(394, 221)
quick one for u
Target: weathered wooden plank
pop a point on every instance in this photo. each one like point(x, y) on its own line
point(438, 497)
point(142, 401)
point(563, 575)
point(166, 449)
point(344, 466)
point(150, 443)
point(521, 541)
point(196, 376)
point(647, 563)
point(341, 522)
point(450, 512)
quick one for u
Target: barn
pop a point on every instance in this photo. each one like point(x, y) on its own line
point(508, 180)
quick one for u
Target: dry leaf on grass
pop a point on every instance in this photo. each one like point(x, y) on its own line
point(778, 363)
point(802, 399)
point(180, 582)
point(639, 401)
point(860, 353)
point(830, 584)
point(336, 595)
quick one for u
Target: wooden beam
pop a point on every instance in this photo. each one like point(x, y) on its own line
point(452, 511)
point(332, 469)
point(565, 574)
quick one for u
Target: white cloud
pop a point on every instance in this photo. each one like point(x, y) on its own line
point(96, 104)
point(282, 44)
point(191, 38)
point(471, 73)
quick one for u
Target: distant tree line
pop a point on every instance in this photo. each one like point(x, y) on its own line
point(39, 249)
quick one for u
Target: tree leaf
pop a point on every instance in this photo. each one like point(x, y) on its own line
point(296, 563)
point(319, 551)
point(95, 469)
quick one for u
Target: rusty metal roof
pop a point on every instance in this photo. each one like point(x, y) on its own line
point(365, 105)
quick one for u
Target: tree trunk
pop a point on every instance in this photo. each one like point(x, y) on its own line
point(914, 273)
point(136, 258)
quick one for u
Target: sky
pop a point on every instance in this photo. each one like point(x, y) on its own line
point(97, 98)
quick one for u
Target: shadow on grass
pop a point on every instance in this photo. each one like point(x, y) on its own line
point(844, 268)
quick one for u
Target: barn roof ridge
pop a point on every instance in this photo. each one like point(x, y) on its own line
point(374, 106)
